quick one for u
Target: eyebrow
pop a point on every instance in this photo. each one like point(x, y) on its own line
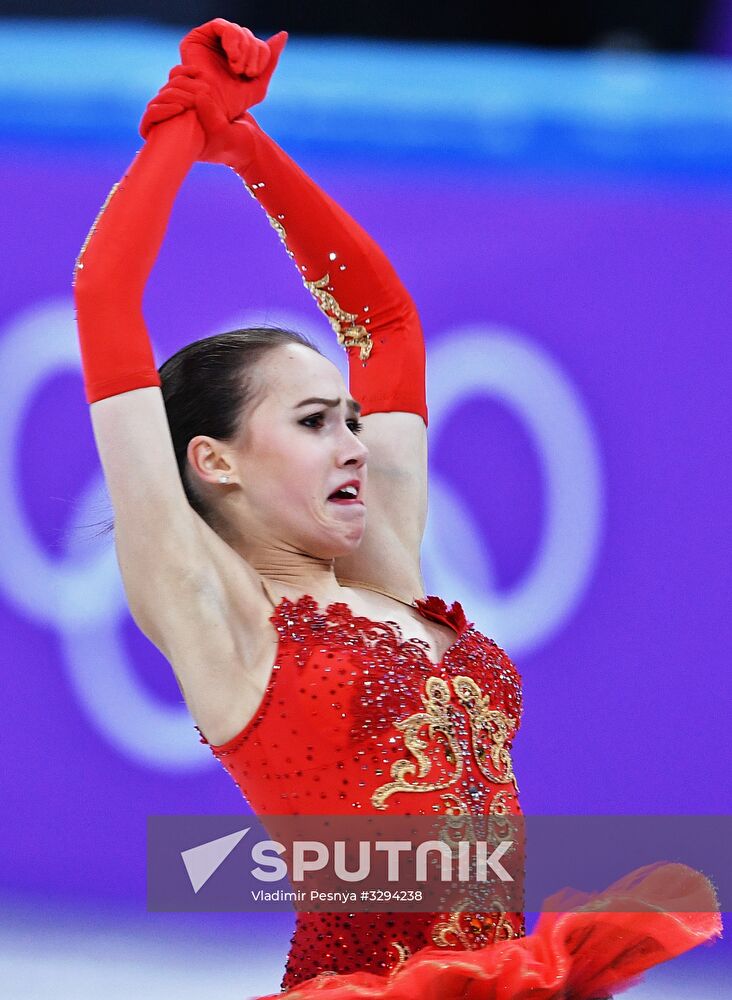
point(350, 403)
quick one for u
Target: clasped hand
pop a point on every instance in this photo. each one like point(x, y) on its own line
point(225, 70)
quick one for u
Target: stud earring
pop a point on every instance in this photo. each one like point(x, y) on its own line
point(223, 479)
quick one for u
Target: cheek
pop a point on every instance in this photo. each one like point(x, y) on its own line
point(289, 469)
point(304, 475)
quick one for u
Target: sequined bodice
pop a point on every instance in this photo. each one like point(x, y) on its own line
point(354, 718)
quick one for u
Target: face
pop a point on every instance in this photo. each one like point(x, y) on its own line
point(292, 455)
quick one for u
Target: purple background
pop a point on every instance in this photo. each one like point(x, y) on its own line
point(627, 288)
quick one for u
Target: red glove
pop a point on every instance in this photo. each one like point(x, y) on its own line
point(344, 269)
point(237, 67)
point(117, 257)
point(188, 88)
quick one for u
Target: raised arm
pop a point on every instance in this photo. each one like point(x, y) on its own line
point(177, 572)
point(115, 261)
point(368, 307)
point(376, 320)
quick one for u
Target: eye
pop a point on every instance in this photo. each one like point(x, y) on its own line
point(317, 417)
point(315, 421)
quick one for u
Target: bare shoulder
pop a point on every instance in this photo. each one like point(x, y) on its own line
point(224, 647)
point(215, 632)
point(197, 600)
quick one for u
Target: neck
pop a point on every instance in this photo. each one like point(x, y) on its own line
point(296, 571)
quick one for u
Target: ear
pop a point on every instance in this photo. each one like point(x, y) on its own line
point(210, 460)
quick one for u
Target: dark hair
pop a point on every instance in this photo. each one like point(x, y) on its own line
point(207, 387)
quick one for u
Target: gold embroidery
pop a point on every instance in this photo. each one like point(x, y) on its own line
point(495, 724)
point(472, 930)
point(79, 265)
point(274, 223)
point(440, 721)
point(278, 227)
point(348, 332)
point(502, 826)
point(437, 717)
point(453, 802)
point(504, 928)
point(499, 807)
point(459, 825)
point(352, 335)
point(499, 804)
point(444, 929)
point(403, 953)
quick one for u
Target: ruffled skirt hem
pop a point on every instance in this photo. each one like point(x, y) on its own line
point(602, 946)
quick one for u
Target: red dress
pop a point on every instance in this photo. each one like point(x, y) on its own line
point(354, 718)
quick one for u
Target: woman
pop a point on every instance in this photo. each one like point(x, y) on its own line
point(238, 475)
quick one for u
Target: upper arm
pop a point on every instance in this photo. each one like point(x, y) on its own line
point(176, 570)
point(396, 505)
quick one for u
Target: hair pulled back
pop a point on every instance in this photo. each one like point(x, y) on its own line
point(207, 387)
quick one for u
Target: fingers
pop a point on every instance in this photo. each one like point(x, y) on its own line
point(204, 42)
point(208, 34)
point(259, 58)
point(276, 44)
point(264, 55)
point(184, 96)
point(173, 98)
point(208, 112)
point(234, 46)
point(188, 71)
point(160, 112)
point(156, 113)
point(180, 94)
point(183, 82)
point(247, 54)
point(237, 44)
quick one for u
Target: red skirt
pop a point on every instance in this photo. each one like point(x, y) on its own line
point(602, 946)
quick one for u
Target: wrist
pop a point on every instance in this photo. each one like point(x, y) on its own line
point(240, 145)
point(180, 140)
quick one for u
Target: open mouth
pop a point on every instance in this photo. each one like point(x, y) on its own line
point(346, 494)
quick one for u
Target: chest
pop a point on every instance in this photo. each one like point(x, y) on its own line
point(354, 717)
point(360, 688)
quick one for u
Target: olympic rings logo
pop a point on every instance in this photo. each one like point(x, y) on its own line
point(82, 597)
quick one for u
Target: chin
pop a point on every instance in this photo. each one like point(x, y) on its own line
point(336, 548)
point(345, 549)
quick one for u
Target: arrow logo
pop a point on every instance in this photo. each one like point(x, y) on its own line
point(202, 861)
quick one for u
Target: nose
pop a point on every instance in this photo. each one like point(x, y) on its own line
point(354, 451)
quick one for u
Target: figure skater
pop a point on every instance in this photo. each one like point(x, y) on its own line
point(268, 523)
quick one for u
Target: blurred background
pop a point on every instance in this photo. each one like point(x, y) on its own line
point(553, 182)
point(657, 25)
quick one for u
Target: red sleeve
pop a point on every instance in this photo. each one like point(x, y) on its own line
point(116, 259)
point(348, 274)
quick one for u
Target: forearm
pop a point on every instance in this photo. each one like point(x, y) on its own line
point(118, 255)
point(345, 270)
